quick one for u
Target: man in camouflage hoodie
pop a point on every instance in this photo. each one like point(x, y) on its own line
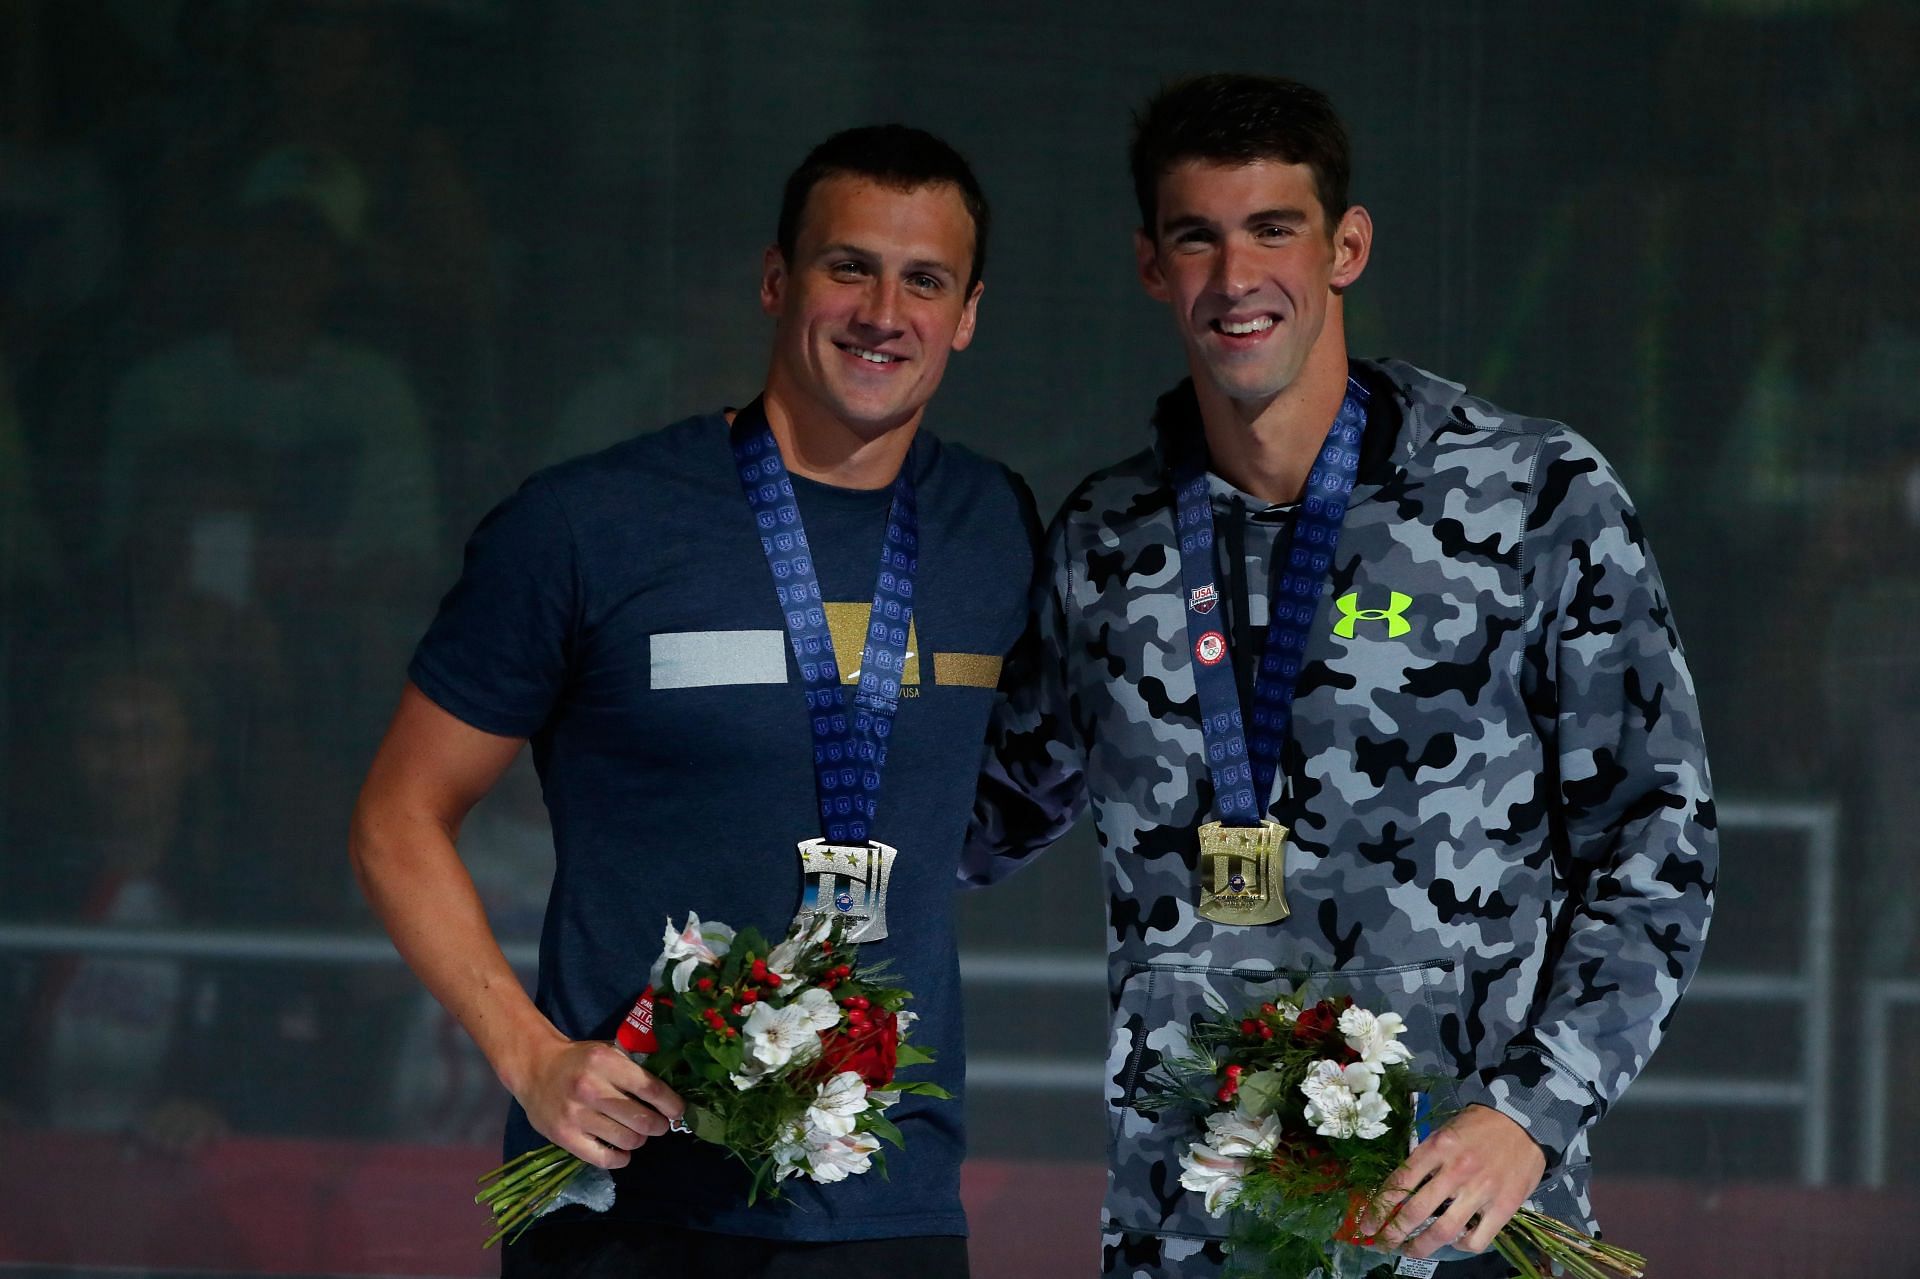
point(1494, 778)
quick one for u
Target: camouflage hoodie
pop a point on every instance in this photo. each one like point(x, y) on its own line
point(1497, 788)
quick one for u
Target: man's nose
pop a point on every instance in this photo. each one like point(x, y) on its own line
point(880, 306)
point(1235, 271)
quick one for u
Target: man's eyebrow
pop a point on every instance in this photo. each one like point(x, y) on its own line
point(1185, 222)
point(1194, 222)
point(933, 264)
point(1288, 215)
point(844, 250)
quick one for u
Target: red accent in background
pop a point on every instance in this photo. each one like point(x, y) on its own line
point(269, 1207)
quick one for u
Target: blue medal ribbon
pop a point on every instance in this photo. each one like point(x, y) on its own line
point(849, 749)
point(1243, 763)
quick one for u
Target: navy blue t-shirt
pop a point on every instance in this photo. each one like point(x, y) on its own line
point(619, 612)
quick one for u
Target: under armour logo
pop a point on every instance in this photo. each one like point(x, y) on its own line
point(1394, 614)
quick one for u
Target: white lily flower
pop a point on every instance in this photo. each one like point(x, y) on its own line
point(1218, 1177)
point(819, 1006)
point(835, 1108)
point(1375, 1038)
point(776, 1036)
point(789, 1152)
point(1238, 1135)
point(688, 948)
point(1371, 1113)
point(1345, 1101)
point(838, 1158)
point(903, 1019)
point(1356, 1077)
point(783, 958)
point(881, 1098)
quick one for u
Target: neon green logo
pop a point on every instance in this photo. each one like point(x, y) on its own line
point(1394, 614)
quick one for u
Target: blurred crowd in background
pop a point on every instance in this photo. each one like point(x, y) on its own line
point(292, 292)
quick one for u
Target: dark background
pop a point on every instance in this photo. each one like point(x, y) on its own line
point(291, 293)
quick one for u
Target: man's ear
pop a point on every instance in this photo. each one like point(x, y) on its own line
point(970, 316)
point(1146, 255)
point(773, 280)
point(1352, 246)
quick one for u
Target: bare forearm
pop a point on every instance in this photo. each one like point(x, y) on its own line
point(412, 875)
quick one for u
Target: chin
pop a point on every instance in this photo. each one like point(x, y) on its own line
point(1248, 389)
point(871, 420)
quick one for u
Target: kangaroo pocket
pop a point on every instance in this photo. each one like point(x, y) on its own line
point(1153, 1022)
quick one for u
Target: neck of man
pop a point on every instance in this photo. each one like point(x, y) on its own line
point(819, 446)
point(1267, 447)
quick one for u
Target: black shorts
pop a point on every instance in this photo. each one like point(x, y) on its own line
point(596, 1248)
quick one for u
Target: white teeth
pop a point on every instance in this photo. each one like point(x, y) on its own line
point(1260, 325)
point(871, 357)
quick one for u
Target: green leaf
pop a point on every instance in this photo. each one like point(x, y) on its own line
point(708, 1126)
point(1263, 1092)
point(911, 1056)
point(919, 1088)
point(882, 1127)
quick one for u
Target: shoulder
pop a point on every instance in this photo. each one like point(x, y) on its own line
point(644, 469)
point(1449, 428)
point(1116, 498)
point(956, 467)
point(986, 493)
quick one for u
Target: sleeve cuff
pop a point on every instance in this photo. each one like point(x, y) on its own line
point(450, 697)
point(1536, 1094)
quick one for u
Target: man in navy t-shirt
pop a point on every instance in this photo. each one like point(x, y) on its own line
point(620, 613)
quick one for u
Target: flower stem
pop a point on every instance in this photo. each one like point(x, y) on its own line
point(517, 1209)
point(1580, 1256)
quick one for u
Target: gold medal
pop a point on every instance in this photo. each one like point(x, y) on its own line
point(847, 881)
point(1243, 873)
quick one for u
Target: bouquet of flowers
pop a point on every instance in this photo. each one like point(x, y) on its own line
point(785, 1056)
point(1309, 1110)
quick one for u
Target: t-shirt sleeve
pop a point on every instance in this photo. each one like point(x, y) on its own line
point(496, 654)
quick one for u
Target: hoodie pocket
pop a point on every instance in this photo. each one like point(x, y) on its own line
point(1153, 1023)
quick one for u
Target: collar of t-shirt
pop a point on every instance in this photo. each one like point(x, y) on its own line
point(1248, 535)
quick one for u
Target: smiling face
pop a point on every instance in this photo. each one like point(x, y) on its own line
point(872, 303)
point(1245, 259)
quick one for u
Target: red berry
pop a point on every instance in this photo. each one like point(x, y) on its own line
point(1266, 1031)
point(773, 980)
point(705, 983)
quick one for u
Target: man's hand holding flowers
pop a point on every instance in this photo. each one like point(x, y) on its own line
point(592, 1100)
point(1482, 1161)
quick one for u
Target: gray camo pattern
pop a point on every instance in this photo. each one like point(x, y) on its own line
point(1502, 822)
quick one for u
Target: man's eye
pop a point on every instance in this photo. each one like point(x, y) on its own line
point(1274, 231)
point(924, 283)
point(848, 270)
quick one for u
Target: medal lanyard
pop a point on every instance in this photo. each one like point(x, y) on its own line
point(849, 750)
point(1243, 763)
